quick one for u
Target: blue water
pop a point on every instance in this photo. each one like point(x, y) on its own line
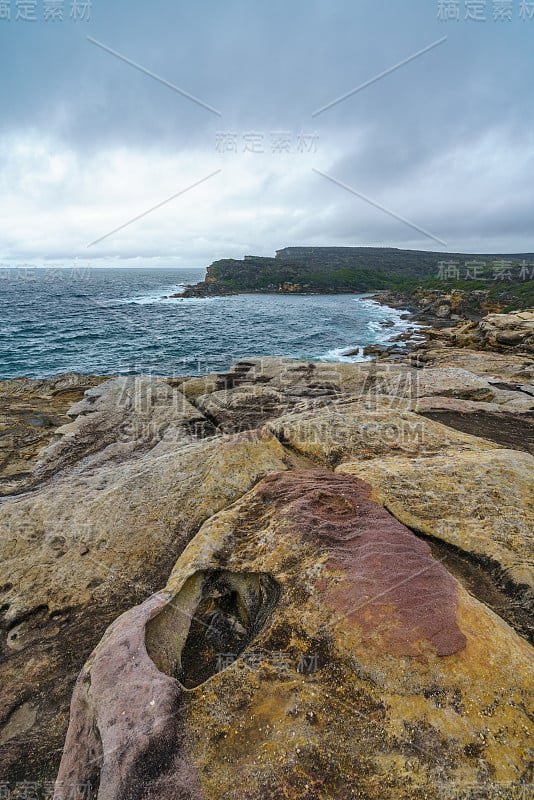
point(108, 321)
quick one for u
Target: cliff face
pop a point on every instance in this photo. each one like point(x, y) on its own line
point(344, 269)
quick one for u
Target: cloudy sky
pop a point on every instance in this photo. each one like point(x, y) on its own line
point(251, 126)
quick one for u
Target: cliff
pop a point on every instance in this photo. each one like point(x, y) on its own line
point(361, 269)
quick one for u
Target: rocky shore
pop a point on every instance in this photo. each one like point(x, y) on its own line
point(457, 319)
point(291, 580)
point(438, 305)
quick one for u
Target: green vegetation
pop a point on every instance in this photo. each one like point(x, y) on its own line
point(361, 269)
point(509, 294)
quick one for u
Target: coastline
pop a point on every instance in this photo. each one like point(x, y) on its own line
point(180, 337)
point(265, 453)
point(39, 410)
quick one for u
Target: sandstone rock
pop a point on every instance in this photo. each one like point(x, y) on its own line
point(360, 669)
point(515, 329)
point(127, 487)
point(501, 332)
point(512, 337)
point(443, 311)
point(82, 549)
point(353, 431)
point(363, 380)
point(480, 501)
point(194, 387)
point(243, 407)
point(122, 415)
point(31, 411)
point(269, 388)
point(450, 382)
point(510, 425)
point(424, 405)
point(485, 364)
point(297, 378)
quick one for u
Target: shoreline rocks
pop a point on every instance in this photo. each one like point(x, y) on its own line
point(31, 412)
point(440, 307)
point(244, 569)
point(476, 323)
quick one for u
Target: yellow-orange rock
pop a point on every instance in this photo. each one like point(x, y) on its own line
point(306, 646)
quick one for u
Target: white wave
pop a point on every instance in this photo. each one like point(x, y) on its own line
point(339, 354)
point(384, 333)
point(380, 333)
point(161, 296)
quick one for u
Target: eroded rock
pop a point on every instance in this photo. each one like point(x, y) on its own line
point(480, 501)
point(243, 407)
point(216, 612)
point(121, 416)
point(501, 331)
point(504, 333)
point(374, 674)
point(85, 548)
point(485, 364)
point(31, 412)
point(503, 424)
point(348, 431)
point(287, 573)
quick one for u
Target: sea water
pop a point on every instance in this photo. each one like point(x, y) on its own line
point(123, 321)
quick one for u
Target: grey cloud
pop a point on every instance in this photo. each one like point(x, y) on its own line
point(267, 67)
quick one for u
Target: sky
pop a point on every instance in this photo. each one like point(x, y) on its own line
point(175, 133)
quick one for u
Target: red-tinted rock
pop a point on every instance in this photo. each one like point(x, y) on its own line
point(394, 586)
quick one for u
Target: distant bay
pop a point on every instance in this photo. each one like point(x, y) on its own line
point(109, 321)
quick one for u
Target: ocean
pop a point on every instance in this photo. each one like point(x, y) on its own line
point(122, 321)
